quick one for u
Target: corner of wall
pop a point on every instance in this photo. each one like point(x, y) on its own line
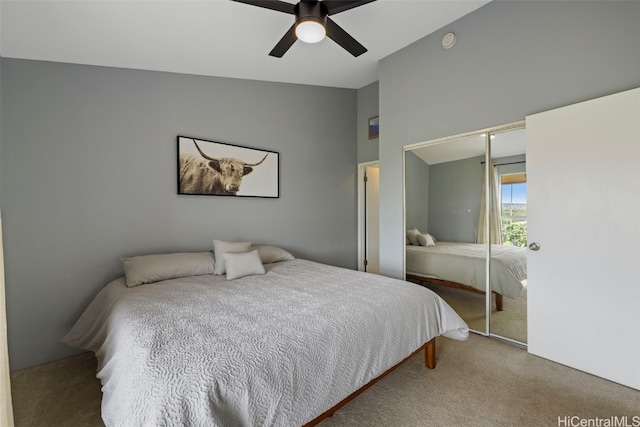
point(367, 108)
point(0, 131)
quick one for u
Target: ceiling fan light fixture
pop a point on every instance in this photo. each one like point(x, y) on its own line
point(310, 31)
point(312, 23)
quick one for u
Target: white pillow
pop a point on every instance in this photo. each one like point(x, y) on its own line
point(221, 247)
point(142, 269)
point(270, 254)
point(242, 264)
point(412, 235)
point(426, 240)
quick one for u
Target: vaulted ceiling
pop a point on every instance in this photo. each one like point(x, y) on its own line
point(215, 37)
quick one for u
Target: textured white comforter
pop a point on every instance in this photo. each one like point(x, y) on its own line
point(465, 263)
point(272, 350)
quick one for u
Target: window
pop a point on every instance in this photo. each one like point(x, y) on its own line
point(513, 202)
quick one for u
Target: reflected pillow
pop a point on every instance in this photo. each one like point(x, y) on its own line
point(221, 247)
point(412, 235)
point(426, 239)
point(139, 270)
point(271, 254)
point(242, 264)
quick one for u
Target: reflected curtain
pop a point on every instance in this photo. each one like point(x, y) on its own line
point(495, 221)
point(6, 409)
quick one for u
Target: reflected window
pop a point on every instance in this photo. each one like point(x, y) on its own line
point(513, 202)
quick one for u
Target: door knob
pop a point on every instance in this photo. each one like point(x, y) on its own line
point(534, 246)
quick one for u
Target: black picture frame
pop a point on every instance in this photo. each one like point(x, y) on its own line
point(212, 168)
point(374, 127)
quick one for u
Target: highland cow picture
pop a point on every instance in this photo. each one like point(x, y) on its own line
point(217, 169)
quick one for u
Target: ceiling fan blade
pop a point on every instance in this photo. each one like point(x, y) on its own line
point(280, 6)
point(337, 6)
point(285, 43)
point(340, 36)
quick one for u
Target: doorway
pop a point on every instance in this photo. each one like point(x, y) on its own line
point(368, 217)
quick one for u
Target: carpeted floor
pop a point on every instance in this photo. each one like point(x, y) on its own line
point(510, 323)
point(61, 393)
point(480, 382)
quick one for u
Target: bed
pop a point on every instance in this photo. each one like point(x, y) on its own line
point(463, 266)
point(287, 347)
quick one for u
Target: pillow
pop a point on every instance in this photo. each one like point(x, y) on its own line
point(143, 269)
point(221, 247)
point(426, 240)
point(270, 254)
point(242, 264)
point(412, 235)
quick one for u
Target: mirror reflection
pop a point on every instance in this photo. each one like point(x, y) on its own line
point(449, 225)
point(508, 217)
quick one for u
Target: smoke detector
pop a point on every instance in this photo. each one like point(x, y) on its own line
point(448, 40)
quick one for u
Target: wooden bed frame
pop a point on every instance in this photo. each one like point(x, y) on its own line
point(424, 280)
point(429, 351)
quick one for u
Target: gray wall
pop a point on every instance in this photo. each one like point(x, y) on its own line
point(455, 196)
point(1, 61)
point(511, 59)
point(455, 193)
point(512, 168)
point(417, 193)
point(89, 171)
point(367, 107)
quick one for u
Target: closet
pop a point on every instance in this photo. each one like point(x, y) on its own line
point(582, 174)
point(479, 226)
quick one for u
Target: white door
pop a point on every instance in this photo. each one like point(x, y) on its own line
point(372, 194)
point(583, 166)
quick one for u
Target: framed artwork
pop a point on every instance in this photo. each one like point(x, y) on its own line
point(374, 127)
point(209, 168)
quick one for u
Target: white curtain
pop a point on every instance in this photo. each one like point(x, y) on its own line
point(6, 408)
point(495, 229)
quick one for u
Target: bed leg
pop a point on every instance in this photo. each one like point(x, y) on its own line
point(498, 302)
point(430, 354)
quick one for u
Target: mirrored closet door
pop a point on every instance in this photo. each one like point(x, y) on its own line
point(465, 215)
point(507, 214)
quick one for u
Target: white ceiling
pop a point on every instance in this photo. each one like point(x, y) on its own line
point(510, 143)
point(215, 37)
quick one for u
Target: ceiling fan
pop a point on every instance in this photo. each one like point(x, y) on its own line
point(313, 23)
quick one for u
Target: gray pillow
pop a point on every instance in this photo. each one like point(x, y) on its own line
point(412, 235)
point(221, 247)
point(142, 269)
point(242, 264)
point(270, 254)
point(426, 239)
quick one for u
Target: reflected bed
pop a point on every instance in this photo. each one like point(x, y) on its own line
point(463, 266)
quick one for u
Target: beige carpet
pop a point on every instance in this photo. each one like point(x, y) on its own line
point(61, 393)
point(510, 323)
point(480, 382)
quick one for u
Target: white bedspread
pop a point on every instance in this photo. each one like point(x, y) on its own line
point(271, 350)
point(465, 263)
